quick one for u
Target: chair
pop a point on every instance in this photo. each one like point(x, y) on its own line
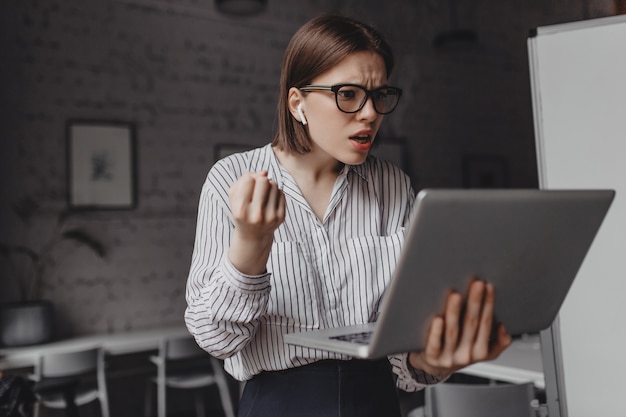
point(479, 400)
point(182, 364)
point(71, 379)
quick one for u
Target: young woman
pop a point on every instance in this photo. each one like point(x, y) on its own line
point(304, 233)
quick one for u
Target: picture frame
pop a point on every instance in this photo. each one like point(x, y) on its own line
point(101, 165)
point(485, 171)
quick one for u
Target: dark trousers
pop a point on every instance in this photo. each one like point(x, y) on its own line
point(329, 388)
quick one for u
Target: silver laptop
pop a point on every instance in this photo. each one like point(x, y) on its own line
point(528, 243)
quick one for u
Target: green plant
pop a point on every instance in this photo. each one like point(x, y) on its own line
point(29, 263)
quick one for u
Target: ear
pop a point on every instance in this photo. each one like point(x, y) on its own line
point(293, 100)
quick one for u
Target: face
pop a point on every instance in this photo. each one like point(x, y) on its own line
point(338, 136)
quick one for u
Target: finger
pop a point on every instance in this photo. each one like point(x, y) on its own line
point(262, 173)
point(503, 341)
point(240, 195)
point(261, 182)
point(435, 338)
point(471, 323)
point(260, 196)
point(428, 359)
point(253, 177)
point(483, 338)
point(281, 209)
point(273, 203)
point(474, 307)
point(452, 321)
point(504, 338)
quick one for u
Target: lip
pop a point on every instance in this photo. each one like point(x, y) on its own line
point(362, 140)
point(363, 132)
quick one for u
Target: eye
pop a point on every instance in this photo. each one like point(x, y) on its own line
point(380, 94)
point(347, 93)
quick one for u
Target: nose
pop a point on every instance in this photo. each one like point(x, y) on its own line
point(368, 112)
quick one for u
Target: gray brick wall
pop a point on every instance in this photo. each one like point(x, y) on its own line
point(190, 79)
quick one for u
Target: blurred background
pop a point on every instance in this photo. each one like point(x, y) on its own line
point(190, 80)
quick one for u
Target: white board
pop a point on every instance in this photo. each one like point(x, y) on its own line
point(578, 77)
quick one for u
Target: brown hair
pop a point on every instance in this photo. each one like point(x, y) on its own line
point(314, 49)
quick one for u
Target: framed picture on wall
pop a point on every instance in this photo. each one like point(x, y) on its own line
point(101, 165)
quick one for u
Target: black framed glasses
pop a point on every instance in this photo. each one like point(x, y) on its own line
point(351, 98)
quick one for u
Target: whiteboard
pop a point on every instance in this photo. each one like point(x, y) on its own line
point(578, 83)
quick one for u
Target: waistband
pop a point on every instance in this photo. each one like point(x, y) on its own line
point(343, 366)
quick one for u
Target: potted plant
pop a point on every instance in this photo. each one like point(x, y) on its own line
point(30, 320)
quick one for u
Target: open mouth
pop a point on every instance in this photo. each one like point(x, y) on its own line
point(361, 138)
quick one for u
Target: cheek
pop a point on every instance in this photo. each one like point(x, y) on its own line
point(377, 124)
point(322, 132)
point(326, 125)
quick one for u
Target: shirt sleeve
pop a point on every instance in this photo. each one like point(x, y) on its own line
point(223, 305)
point(408, 378)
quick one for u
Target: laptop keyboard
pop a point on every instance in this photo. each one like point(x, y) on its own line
point(361, 338)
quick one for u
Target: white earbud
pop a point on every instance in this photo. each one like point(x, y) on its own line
point(302, 118)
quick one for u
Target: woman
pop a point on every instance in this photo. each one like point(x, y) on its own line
point(290, 237)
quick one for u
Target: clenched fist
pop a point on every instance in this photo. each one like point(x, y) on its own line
point(258, 208)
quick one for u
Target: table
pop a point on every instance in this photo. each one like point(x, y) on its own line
point(521, 362)
point(113, 343)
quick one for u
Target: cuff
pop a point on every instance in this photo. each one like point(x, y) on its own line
point(422, 377)
point(251, 283)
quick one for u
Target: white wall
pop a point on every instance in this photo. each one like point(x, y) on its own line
point(578, 72)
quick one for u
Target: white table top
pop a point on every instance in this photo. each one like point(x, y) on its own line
point(521, 362)
point(113, 343)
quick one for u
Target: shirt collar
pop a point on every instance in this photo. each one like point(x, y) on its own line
point(358, 169)
point(275, 172)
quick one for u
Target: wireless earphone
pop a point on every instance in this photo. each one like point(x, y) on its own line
point(302, 118)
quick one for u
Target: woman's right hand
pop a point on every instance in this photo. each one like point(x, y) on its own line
point(258, 208)
point(463, 334)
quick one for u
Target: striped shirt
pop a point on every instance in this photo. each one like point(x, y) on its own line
point(320, 274)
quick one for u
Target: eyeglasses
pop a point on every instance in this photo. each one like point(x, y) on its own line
point(351, 98)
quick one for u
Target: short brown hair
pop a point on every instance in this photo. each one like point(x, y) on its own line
point(314, 49)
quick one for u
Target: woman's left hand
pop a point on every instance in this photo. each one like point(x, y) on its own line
point(460, 338)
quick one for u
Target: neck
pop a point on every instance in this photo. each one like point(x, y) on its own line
point(312, 166)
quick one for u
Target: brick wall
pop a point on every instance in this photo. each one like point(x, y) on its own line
point(190, 79)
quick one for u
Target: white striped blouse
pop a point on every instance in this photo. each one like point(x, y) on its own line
point(320, 273)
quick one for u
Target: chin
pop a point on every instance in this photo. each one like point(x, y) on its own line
point(354, 159)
